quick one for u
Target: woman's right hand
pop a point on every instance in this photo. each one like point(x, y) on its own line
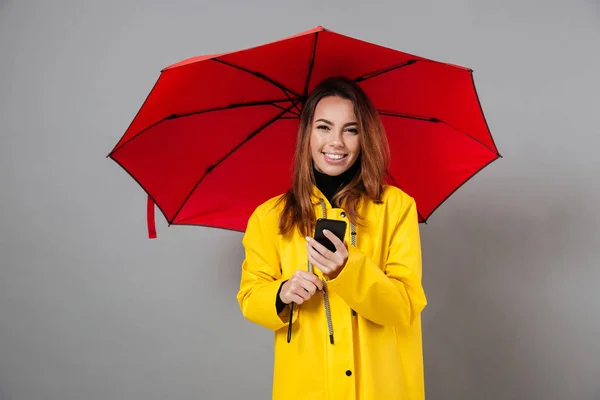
point(300, 287)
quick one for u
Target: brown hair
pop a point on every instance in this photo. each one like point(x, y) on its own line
point(298, 211)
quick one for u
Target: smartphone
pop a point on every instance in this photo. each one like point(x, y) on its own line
point(338, 228)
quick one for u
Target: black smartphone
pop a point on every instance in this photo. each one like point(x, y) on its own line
point(338, 228)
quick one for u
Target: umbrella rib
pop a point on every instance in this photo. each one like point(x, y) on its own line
point(258, 75)
point(292, 101)
point(373, 74)
point(482, 113)
point(312, 64)
point(212, 167)
point(283, 108)
point(132, 121)
point(236, 105)
point(408, 116)
point(175, 116)
point(436, 121)
point(498, 156)
point(139, 183)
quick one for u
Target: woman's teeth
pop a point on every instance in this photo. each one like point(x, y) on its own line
point(334, 156)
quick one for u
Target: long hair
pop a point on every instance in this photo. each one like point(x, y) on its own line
point(298, 211)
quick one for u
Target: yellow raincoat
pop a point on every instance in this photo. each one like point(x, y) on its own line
point(377, 352)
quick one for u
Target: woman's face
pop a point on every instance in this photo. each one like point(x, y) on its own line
point(334, 138)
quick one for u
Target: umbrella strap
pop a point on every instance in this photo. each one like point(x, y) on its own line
point(150, 218)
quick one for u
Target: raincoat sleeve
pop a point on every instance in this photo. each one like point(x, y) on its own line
point(392, 295)
point(261, 277)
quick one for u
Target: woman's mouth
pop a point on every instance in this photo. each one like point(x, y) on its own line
point(334, 158)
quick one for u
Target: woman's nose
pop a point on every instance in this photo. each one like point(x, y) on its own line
point(337, 140)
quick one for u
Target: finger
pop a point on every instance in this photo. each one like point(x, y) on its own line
point(301, 295)
point(296, 299)
point(328, 262)
point(323, 268)
point(317, 282)
point(314, 282)
point(318, 247)
point(299, 290)
point(289, 297)
point(299, 277)
point(339, 245)
point(312, 278)
point(310, 287)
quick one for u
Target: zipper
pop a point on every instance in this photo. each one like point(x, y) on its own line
point(325, 291)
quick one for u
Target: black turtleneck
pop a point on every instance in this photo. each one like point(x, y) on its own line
point(330, 185)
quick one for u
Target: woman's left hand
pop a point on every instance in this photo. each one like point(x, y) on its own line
point(330, 263)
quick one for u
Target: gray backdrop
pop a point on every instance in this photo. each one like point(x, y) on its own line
point(90, 309)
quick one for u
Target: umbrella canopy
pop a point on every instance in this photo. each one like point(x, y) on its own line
point(216, 134)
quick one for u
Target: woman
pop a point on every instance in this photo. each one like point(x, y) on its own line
point(351, 328)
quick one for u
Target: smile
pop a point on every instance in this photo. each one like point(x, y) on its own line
point(334, 157)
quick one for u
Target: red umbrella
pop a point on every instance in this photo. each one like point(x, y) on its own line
point(215, 136)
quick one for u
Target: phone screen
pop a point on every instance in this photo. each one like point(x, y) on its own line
point(338, 228)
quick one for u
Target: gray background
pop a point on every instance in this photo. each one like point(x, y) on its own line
point(91, 309)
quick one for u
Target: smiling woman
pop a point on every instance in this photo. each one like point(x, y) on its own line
point(366, 294)
point(334, 142)
point(338, 120)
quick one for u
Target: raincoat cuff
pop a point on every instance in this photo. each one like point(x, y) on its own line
point(284, 314)
point(348, 274)
point(266, 312)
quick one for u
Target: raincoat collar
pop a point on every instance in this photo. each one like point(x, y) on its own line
point(317, 196)
point(330, 185)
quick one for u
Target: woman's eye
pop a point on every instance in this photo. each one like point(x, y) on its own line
point(323, 127)
point(353, 130)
